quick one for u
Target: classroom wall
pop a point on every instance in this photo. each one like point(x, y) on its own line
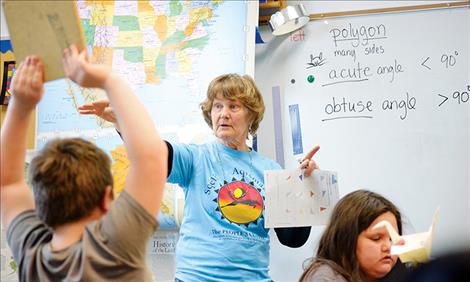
point(282, 256)
point(3, 27)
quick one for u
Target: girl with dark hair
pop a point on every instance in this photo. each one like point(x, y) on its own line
point(350, 249)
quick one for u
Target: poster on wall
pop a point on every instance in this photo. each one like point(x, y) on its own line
point(7, 68)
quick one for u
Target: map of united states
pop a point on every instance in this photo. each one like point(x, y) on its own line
point(145, 40)
point(167, 51)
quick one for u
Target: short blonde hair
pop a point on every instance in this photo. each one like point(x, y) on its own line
point(236, 88)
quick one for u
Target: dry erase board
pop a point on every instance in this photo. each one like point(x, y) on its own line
point(387, 98)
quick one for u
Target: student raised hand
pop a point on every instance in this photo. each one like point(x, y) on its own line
point(307, 163)
point(81, 72)
point(27, 89)
point(27, 85)
point(88, 75)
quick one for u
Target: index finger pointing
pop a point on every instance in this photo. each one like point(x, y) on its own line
point(312, 152)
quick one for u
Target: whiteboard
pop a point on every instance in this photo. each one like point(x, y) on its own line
point(387, 102)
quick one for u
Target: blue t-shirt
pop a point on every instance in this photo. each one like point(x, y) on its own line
point(222, 237)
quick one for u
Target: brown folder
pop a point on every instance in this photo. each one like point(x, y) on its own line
point(43, 28)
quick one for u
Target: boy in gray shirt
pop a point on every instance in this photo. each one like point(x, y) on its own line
point(72, 230)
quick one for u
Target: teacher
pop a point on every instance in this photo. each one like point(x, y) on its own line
point(222, 236)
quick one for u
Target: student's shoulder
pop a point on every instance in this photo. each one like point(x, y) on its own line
point(23, 221)
point(325, 273)
point(26, 229)
point(124, 213)
point(125, 203)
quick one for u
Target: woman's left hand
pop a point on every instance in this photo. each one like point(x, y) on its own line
point(307, 164)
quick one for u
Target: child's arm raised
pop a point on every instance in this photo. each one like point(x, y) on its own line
point(27, 89)
point(146, 151)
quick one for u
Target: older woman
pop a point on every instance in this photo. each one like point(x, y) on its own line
point(351, 249)
point(222, 236)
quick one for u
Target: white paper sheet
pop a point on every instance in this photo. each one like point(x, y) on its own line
point(294, 200)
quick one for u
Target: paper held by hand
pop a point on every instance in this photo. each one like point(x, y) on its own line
point(294, 200)
point(417, 247)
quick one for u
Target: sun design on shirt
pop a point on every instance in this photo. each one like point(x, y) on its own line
point(240, 203)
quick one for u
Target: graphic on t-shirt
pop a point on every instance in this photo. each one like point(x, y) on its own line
point(240, 202)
